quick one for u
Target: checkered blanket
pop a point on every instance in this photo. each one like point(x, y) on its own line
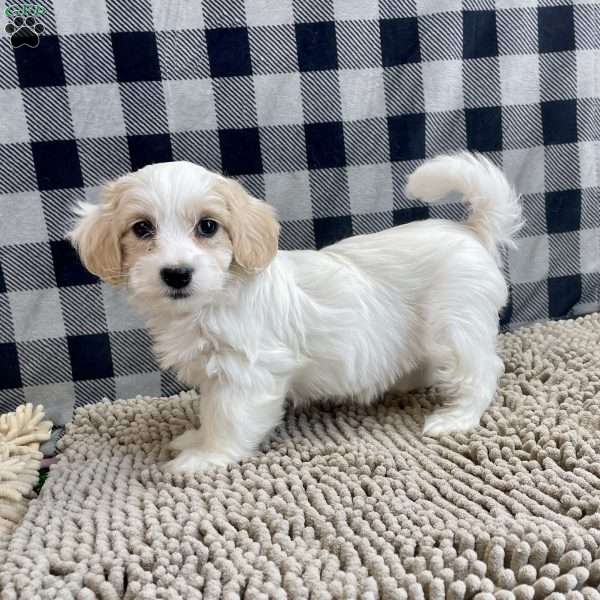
point(321, 107)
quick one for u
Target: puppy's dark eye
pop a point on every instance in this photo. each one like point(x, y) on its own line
point(207, 227)
point(143, 229)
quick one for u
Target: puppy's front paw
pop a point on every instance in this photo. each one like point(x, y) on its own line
point(194, 460)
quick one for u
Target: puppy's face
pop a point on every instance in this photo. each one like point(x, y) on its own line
point(174, 232)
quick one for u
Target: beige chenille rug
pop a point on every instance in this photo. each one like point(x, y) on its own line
point(343, 503)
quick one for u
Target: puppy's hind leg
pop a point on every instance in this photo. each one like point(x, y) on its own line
point(467, 376)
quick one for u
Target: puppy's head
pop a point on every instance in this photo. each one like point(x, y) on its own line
point(174, 231)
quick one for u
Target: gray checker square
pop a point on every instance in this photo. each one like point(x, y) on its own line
point(289, 194)
point(83, 309)
point(91, 391)
point(17, 158)
point(13, 127)
point(363, 95)
point(534, 215)
point(278, 99)
point(358, 44)
point(562, 167)
point(177, 15)
point(366, 142)
point(371, 188)
point(318, 106)
point(520, 79)
point(588, 157)
point(52, 353)
point(190, 104)
point(234, 102)
point(529, 262)
point(140, 117)
point(525, 169)
point(558, 76)
point(76, 51)
point(590, 250)
point(438, 35)
point(283, 148)
point(120, 315)
point(481, 82)
point(517, 30)
point(22, 219)
point(103, 159)
point(565, 253)
point(445, 132)
point(529, 300)
point(58, 220)
point(48, 113)
point(329, 192)
point(354, 10)
point(36, 315)
point(182, 54)
point(587, 65)
point(400, 172)
point(96, 110)
point(200, 147)
point(404, 89)
point(262, 41)
point(224, 14)
point(521, 126)
point(27, 267)
point(132, 352)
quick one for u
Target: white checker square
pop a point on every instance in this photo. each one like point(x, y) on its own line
point(520, 79)
point(587, 73)
point(371, 188)
point(289, 194)
point(22, 219)
point(590, 250)
point(190, 105)
point(363, 94)
point(56, 398)
point(529, 262)
point(129, 386)
point(505, 4)
point(355, 10)
point(524, 168)
point(588, 164)
point(278, 99)
point(443, 85)
point(269, 12)
point(96, 110)
point(37, 314)
point(73, 16)
point(119, 314)
point(183, 14)
point(13, 125)
point(428, 7)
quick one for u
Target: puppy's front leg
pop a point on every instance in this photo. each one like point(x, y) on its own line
point(234, 421)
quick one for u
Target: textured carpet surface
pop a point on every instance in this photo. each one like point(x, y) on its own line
point(342, 502)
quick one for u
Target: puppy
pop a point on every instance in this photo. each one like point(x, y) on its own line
point(249, 326)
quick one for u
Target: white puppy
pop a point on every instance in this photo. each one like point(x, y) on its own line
point(250, 326)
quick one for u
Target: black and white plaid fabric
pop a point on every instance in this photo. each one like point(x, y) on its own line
point(321, 107)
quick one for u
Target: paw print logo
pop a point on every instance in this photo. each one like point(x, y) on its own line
point(24, 32)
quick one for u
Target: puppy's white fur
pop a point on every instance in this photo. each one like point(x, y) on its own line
point(412, 306)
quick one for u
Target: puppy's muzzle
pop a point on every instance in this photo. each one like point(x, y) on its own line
point(177, 278)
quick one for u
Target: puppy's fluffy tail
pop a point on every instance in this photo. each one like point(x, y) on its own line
point(495, 210)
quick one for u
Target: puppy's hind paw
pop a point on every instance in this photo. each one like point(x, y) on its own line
point(449, 420)
point(185, 440)
point(194, 460)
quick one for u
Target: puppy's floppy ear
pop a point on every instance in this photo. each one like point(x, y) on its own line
point(253, 228)
point(95, 235)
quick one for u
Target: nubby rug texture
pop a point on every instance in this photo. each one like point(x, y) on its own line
point(342, 503)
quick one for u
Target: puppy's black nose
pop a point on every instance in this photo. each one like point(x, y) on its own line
point(176, 277)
